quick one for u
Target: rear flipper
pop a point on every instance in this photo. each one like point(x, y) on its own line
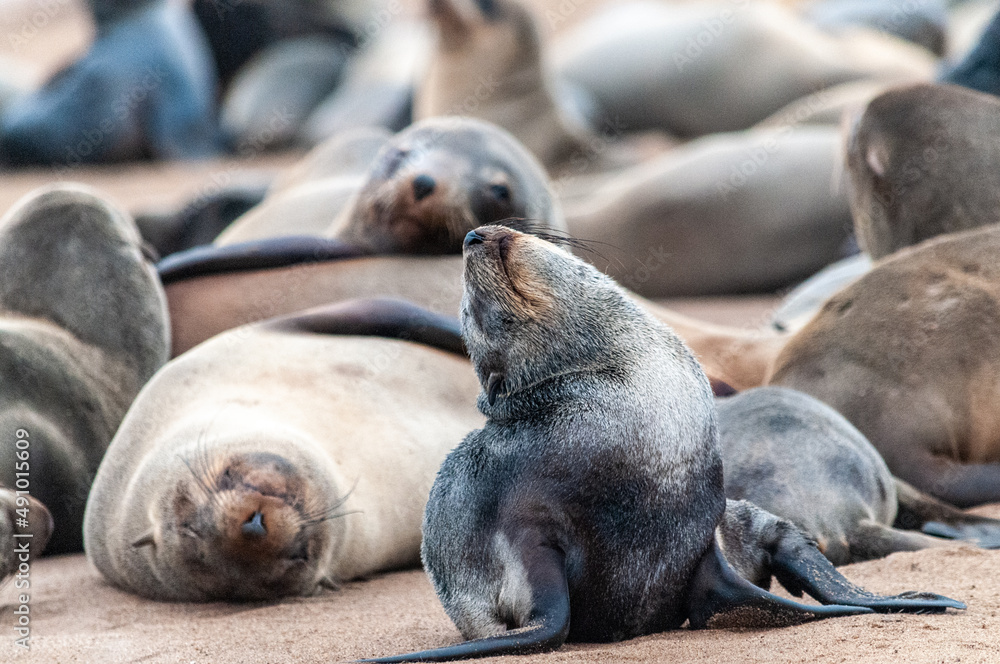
point(545, 630)
point(761, 545)
point(720, 597)
point(918, 510)
point(871, 540)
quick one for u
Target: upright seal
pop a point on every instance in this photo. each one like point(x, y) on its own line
point(586, 509)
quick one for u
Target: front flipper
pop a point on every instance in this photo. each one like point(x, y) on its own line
point(765, 545)
point(25, 528)
point(545, 630)
point(376, 317)
point(723, 598)
point(252, 255)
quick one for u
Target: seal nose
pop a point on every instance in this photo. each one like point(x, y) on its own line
point(423, 186)
point(471, 238)
point(254, 526)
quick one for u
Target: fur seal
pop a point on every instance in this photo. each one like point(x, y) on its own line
point(145, 88)
point(279, 458)
point(424, 189)
point(272, 95)
point(678, 67)
point(919, 167)
point(83, 324)
point(741, 212)
point(377, 90)
point(488, 64)
point(909, 354)
point(922, 22)
point(980, 68)
point(586, 508)
point(800, 460)
point(237, 31)
point(801, 304)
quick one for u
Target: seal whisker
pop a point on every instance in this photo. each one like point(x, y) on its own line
point(325, 511)
point(209, 494)
point(329, 517)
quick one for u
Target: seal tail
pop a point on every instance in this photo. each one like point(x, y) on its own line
point(545, 630)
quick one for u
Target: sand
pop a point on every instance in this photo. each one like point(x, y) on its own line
point(77, 617)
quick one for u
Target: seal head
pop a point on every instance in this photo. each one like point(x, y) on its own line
point(441, 178)
point(243, 526)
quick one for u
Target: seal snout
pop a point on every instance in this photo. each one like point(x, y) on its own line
point(423, 186)
point(254, 527)
point(472, 238)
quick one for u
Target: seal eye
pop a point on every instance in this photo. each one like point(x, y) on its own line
point(393, 161)
point(500, 192)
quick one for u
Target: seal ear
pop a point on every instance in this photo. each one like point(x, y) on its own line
point(494, 384)
point(148, 538)
point(875, 162)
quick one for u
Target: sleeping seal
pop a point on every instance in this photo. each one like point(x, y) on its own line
point(83, 325)
point(729, 213)
point(421, 192)
point(910, 355)
point(281, 458)
point(587, 507)
point(799, 459)
point(678, 67)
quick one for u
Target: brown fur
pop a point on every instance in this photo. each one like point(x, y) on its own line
point(910, 354)
point(921, 164)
